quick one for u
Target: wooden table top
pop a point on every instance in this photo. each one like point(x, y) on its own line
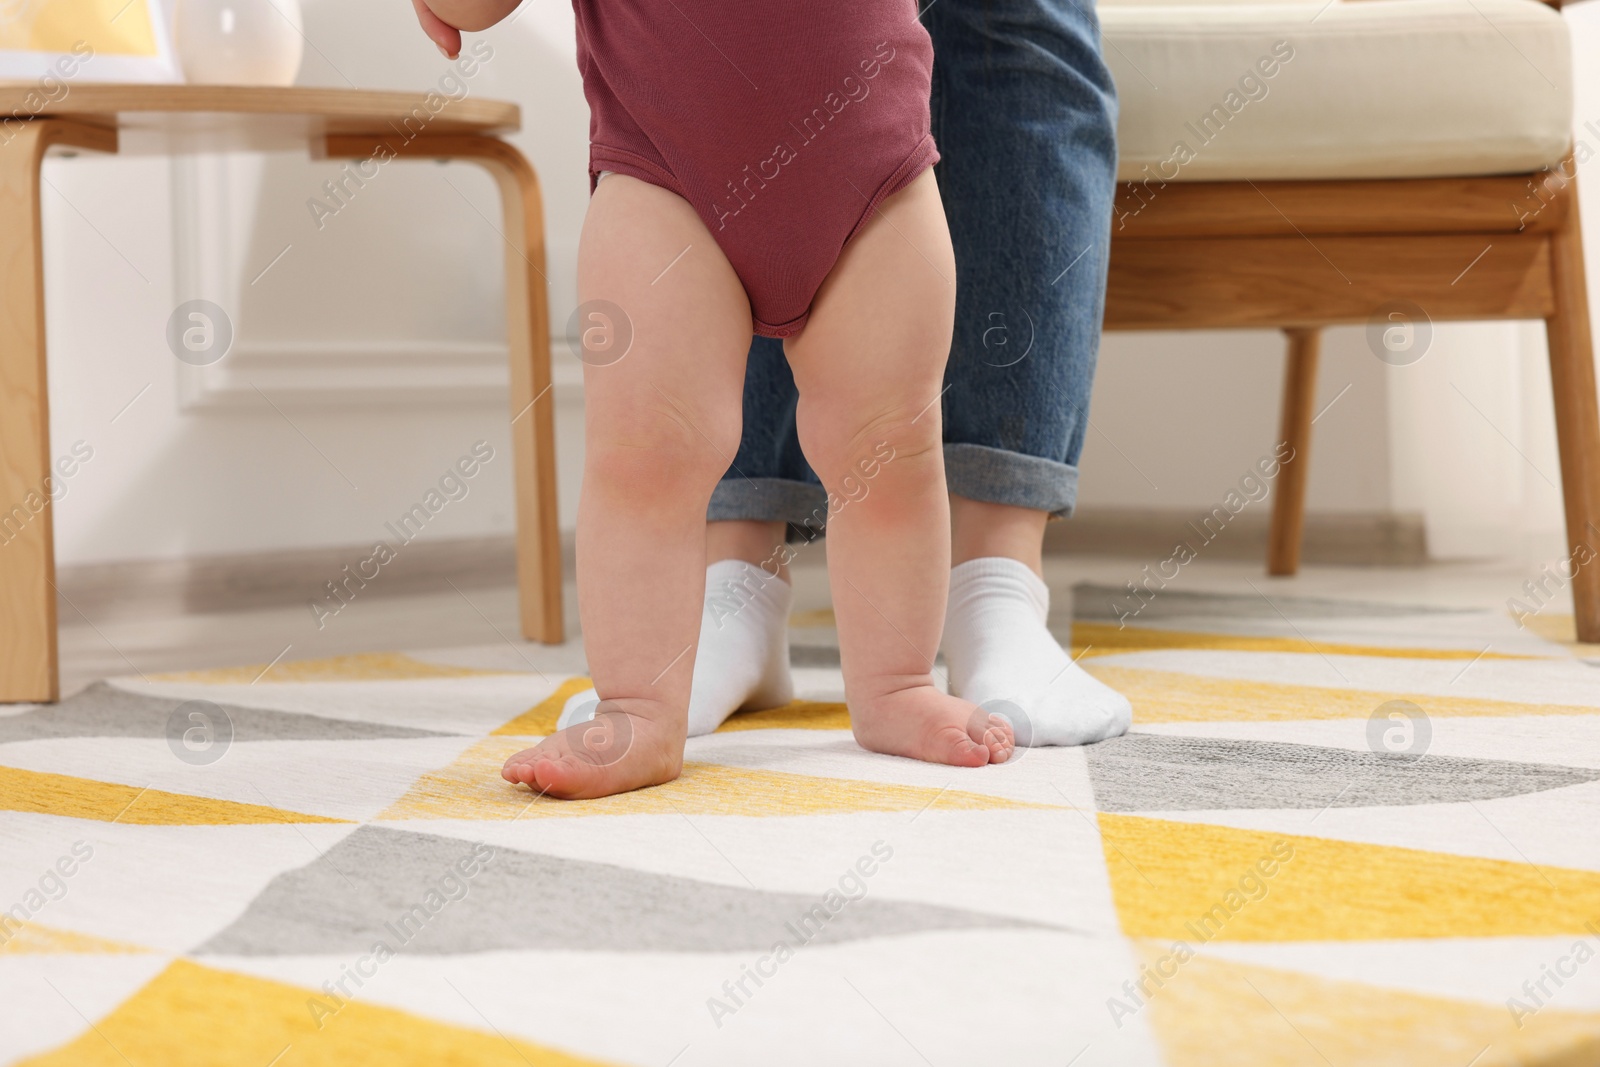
point(167, 118)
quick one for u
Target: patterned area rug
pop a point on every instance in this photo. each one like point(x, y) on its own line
point(1340, 834)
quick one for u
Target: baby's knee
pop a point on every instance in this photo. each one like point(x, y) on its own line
point(853, 437)
point(661, 449)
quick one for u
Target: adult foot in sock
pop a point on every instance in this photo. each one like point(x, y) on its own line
point(999, 649)
point(742, 663)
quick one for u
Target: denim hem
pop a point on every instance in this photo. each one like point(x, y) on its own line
point(997, 476)
point(767, 500)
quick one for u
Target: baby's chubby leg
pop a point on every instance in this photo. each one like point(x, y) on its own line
point(662, 424)
point(868, 367)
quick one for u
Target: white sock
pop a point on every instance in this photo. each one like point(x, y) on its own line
point(998, 649)
point(742, 663)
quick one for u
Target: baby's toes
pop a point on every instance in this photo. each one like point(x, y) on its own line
point(997, 739)
point(565, 776)
point(995, 734)
point(954, 746)
point(518, 770)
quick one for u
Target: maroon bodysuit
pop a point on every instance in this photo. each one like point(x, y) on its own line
point(784, 124)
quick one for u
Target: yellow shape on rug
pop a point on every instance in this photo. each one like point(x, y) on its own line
point(364, 667)
point(1561, 629)
point(795, 715)
point(1197, 882)
point(1171, 696)
point(540, 720)
point(471, 788)
point(1104, 639)
point(43, 793)
point(31, 938)
point(194, 1015)
point(1210, 1010)
point(812, 619)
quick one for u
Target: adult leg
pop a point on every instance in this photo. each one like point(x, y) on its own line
point(868, 366)
point(752, 541)
point(660, 424)
point(769, 485)
point(1025, 114)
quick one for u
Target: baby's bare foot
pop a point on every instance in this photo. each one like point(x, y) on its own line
point(614, 752)
point(923, 723)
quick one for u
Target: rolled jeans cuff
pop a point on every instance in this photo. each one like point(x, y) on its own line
point(768, 500)
point(996, 476)
point(977, 472)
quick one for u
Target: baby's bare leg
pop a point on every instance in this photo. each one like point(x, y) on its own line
point(868, 367)
point(662, 425)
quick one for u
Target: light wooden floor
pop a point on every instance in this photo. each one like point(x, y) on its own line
point(116, 643)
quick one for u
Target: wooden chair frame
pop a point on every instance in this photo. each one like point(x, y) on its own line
point(1301, 255)
point(29, 670)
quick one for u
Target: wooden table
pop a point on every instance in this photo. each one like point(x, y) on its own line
point(331, 123)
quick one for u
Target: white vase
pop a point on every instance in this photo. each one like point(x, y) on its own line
point(239, 42)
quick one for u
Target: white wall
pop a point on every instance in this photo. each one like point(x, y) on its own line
point(410, 270)
point(350, 332)
point(1178, 418)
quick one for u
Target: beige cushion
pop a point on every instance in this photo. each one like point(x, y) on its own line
point(1369, 89)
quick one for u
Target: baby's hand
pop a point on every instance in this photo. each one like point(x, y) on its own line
point(446, 36)
point(443, 20)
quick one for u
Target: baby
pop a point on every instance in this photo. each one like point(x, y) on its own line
point(766, 168)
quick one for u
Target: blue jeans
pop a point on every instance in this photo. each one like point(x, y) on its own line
point(1024, 112)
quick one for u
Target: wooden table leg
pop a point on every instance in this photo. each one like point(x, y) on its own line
point(28, 668)
point(1289, 502)
point(1572, 380)
point(528, 337)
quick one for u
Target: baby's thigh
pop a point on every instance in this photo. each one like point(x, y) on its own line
point(875, 346)
point(662, 319)
point(882, 320)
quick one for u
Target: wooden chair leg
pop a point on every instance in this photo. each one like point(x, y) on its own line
point(1572, 380)
point(533, 421)
point(528, 337)
point(1289, 503)
point(28, 665)
point(27, 556)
